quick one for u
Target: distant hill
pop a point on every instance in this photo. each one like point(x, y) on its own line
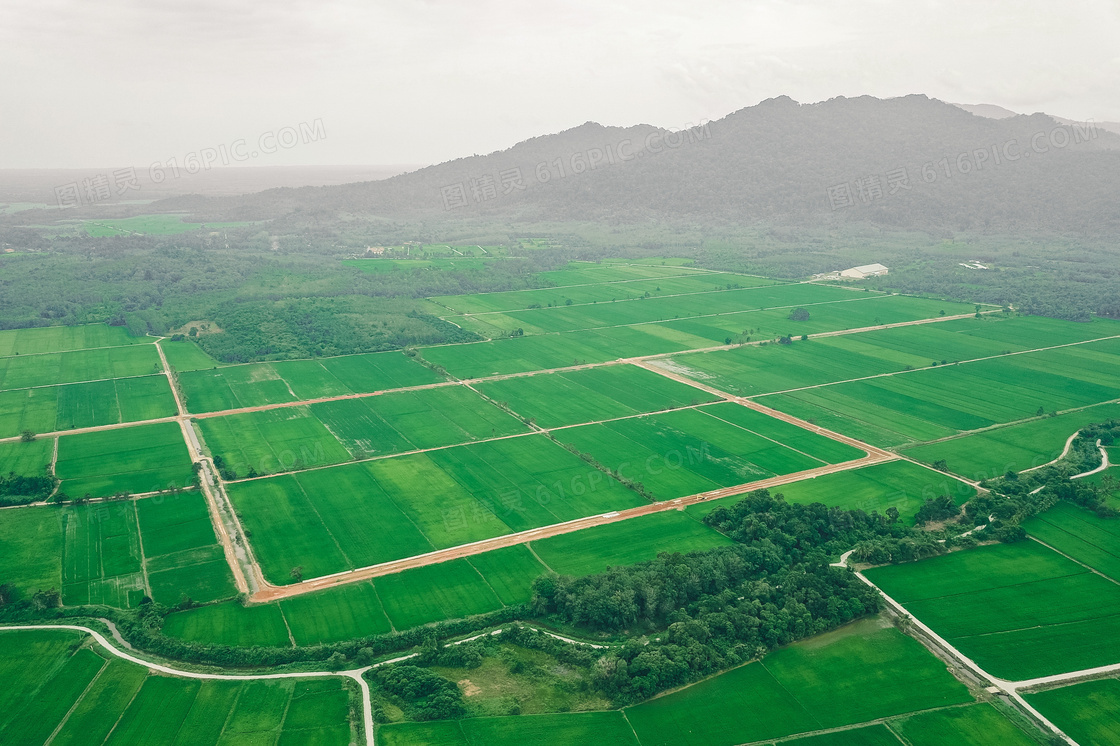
point(993, 111)
point(910, 162)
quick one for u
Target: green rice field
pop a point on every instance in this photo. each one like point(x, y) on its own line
point(569, 729)
point(212, 389)
point(1019, 610)
point(1080, 534)
point(586, 339)
point(935, 403)
point(690, 451)
point(327, 520)
point(560, 399)
point(754, 370)
point(26, 459)
point(271, 441)
point(78, 405)
point(85, 696)
point(1089, 713)
point(858, 673)
point(979, 724)
point(145, 458)
point(42, 339)
point(899, 484)
point(1015, 447)
point(50, 368)
point(593, 550)
point(116, 553)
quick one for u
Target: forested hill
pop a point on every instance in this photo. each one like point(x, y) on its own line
point(910, 162)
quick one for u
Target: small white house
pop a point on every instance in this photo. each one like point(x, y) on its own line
point(867, 270)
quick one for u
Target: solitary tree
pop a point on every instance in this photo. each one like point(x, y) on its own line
point(297, 573)
point(27, 436)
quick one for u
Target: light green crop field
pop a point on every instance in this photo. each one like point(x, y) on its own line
point(415, 420)
point(149, 225)
point(899, 484)
point(271, 441)
point(569, 729)
point(940, 402)
point(1015, 447)
point(979, 725)
point(858, 673)
point(1089, 713)
point(1080, 534)
point(64, 338)
point(50, 368)
point(753, 370)
point(595, 549)
point(559, 399)
point(83, 696)
point(687, 451)
point(1019, 610)
point(144, 458)
point(434, 593)
point(328, 520)
point(26, 459)
point(54, 408)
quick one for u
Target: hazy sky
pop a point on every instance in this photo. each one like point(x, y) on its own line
point(120, 82)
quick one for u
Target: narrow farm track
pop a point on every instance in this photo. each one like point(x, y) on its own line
point(354, 675)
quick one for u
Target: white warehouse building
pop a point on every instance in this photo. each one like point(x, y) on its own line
point(867, 270)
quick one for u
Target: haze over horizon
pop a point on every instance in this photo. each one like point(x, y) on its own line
point(134, 83)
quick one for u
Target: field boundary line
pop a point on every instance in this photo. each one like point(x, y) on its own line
point(1093, 570)
point(104, 347)
point(355, 674)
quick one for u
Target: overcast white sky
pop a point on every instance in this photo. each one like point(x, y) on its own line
point(128, 82)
